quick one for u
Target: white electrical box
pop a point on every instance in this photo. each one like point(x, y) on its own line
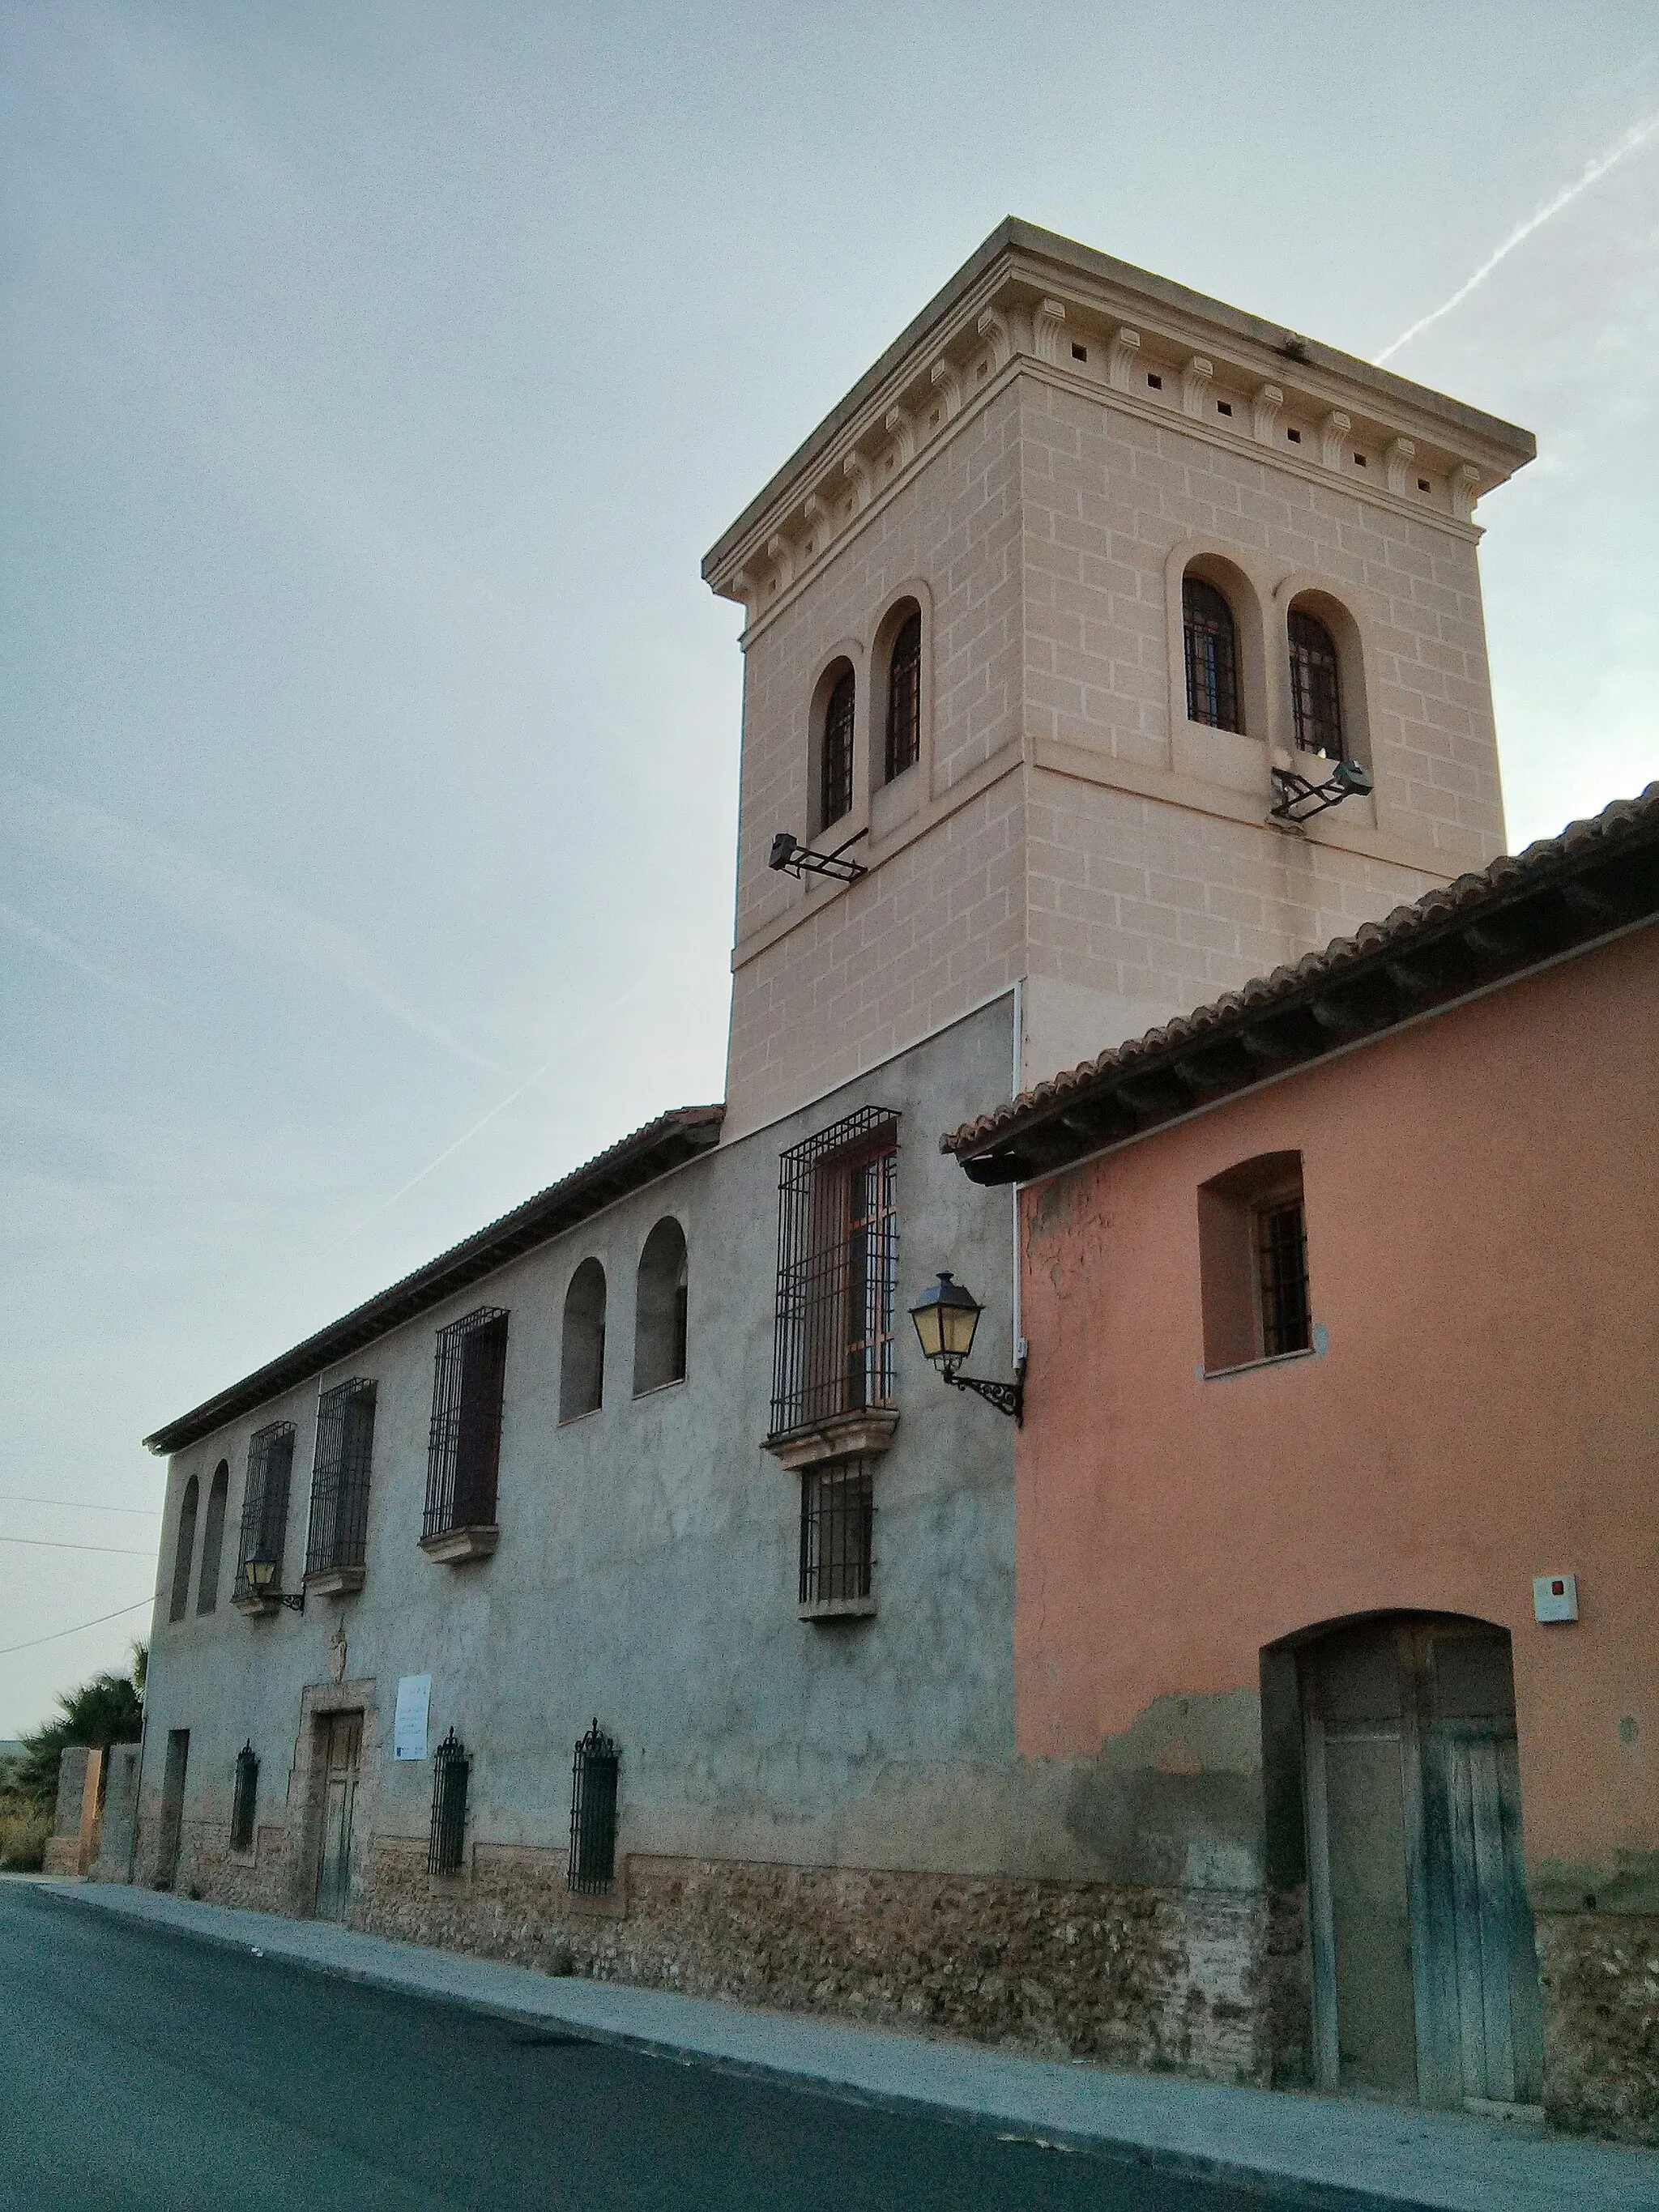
point(1555, 1597)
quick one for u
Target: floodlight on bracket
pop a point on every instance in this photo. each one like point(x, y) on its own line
point(800, 860)
point(1297, 797)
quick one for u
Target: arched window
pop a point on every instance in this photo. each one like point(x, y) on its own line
point(659, 1310)
point(213, 1539)
point(179, 1602)
point(1211, 656)
point(1315, 686)
point(581, 1365)
point(835, 760)
point(904, 697)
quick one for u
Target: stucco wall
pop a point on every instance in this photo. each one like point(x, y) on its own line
point(647, 1569)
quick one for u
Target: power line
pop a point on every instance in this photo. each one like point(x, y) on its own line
point(76, 1504)
point(46, 1544)
point(120, 1613)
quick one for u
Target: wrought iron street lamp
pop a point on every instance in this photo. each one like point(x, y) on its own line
point(945, 1318)
point(259, 1574)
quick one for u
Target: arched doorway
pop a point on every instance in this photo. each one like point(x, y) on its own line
point(1426, 1977)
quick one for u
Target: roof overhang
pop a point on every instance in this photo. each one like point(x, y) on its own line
point(1563, 896)
point(666, 1143)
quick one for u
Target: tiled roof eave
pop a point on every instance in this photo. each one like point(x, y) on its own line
point(1562, 895)
point(654, 1150)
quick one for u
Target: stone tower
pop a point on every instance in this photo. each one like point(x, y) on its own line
point(1033, 613)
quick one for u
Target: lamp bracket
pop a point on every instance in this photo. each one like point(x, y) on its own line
point(1291, 791)
point(800, 860)
point(1006, 1397)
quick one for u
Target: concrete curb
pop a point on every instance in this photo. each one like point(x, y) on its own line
point(1263, 2142)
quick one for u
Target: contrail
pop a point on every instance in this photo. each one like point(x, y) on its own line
point(467, 1135)
point(1638, 135)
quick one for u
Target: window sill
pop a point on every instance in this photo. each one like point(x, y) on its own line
point(837, 1608)
point(453, 1547)
point(256, 1608)
point(837, 1436)
point(569, 1420)
point(334, 1582)
point(1255, 1366)
point(674, 1382)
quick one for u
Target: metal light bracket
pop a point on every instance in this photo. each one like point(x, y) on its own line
point(1291, 791)
point(800, 860)
point(1006, 1397)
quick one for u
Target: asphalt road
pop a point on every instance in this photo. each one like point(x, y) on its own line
point(140, 2069)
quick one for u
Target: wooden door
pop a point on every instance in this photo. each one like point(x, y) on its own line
point(341, 1741)
point(173, 1807)
point(1425, 1976)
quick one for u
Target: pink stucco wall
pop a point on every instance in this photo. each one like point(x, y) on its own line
point(1482, 1195)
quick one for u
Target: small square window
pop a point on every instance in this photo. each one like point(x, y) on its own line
point(1223, 407)
point(1295, 436)
point(1359, 460)
point(1253, 1263)
point(1156, 382)
point(1422, 483)
point(1080, 353)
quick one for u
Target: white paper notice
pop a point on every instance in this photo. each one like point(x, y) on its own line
point(409, 1720)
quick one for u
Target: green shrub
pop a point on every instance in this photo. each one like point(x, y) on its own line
point(22, 1841)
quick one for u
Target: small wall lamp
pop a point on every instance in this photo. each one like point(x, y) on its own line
point(260, 1574)
point(945, 1318)
point(1296, 797)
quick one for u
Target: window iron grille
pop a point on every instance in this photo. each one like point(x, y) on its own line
point(464, 1447)
point(338, 1529)
point(904, 699)
point(1315, 687)
point(1211, 656)
point(1282, 1264)
point(446, 1849)
point(265, 1501)
point(245, 1799)
point(837, 1530)
point(837, 1270)
point(835, 765)
point(593, 1813)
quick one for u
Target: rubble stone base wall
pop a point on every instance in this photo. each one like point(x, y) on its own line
point(1600, 1986)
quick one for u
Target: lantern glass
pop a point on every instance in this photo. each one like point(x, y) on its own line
point(260, 1574)
point(945, 1318)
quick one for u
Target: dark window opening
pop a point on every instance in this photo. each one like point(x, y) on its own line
point(837, 1263)
point(1223, 407)
point(265, 1502)
point(1295, 436)
point(659, 1310)
point(178, 1603)
point(1211, 650)
point(464, 1445)
point(1253, 1263)
point(338, 1534)
point(581, 1349)
point(1156, 383)
point(904, 699)
point(1282, 1273)
point(445, 1847)
point(1080, 353)
point(837, 1531)
point(1360, 462)
point(836, 766)
point(1315, 686)
point(213, 1539)
point(245, 1799)
point(593, 1813)
point(1423, 484)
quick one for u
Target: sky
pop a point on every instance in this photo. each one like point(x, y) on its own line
point(374, 379)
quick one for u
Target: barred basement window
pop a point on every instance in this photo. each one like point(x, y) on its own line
point(446, 1849)
point(593, 1813)
point(463, 1451)
point(265, 1502)
point(837, 1530)
point(338, 1529)
point(838, 1262)
point(245, 1799)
